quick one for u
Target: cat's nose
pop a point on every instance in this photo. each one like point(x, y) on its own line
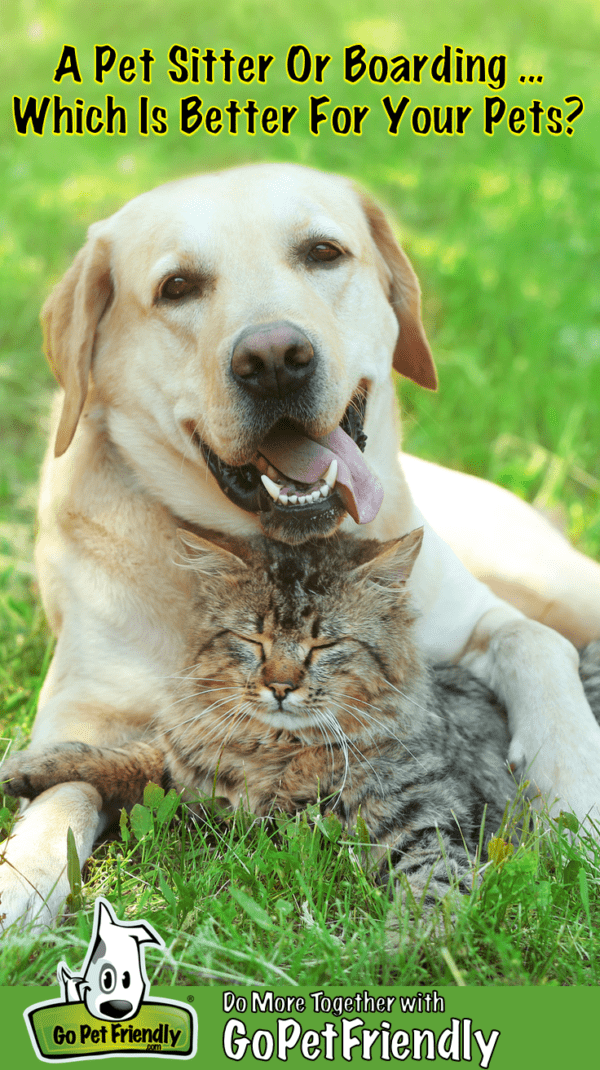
point(280, 690)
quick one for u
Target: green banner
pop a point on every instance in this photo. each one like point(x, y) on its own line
point(496, 1027)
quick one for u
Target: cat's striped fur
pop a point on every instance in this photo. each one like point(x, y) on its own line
point(304, 685)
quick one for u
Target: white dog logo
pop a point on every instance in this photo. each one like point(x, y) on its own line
point(113, 981)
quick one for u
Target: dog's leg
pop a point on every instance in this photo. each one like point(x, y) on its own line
point(97, 693)
point(555, 739)
point(511, 547)
point(34, 880)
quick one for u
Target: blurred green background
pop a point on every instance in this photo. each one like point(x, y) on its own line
point(503, 230)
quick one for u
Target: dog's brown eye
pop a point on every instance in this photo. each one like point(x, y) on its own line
point(324, 252)
point(176, 287)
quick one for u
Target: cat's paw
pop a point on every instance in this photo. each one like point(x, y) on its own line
point(26, 775)
point(415, 914)
point(427, 903)
point(429, 876)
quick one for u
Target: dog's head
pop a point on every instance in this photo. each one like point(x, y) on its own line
point(234, 330)
point(114, 981)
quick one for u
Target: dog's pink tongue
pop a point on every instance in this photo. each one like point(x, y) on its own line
point(306, 460)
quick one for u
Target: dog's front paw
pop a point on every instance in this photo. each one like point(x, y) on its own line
point(563, 772)
point(517, 757)
point(30, 893)
point(33, 861)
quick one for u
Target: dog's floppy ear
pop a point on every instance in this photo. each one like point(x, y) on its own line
point(412, 356)
point(69, 318)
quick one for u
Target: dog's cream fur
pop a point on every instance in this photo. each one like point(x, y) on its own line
point(123, 473)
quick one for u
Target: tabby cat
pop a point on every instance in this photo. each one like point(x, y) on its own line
point(305, 685)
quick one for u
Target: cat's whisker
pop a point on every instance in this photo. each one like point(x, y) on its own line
point(335, 726)
point(177, 702)
point(362, 757)
point(367, 723)
point(184, 728)
point(355, 698)
point(191, 670)
point(361, 716)
point(366, 729)
point(219, 727)
point(188, 670)
point(341, 697)
point(195, 695)
point(339, 738)
point(385, 727)
point(216, 705)
point(201, 714)
point(189, 678)
point(235, 719)
point(406, 697)
point(220, 731)
point(326, 738)
point(388, 734)
point(200, 694)
point(328, 744)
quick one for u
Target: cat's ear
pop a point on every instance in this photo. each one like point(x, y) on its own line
point(218, 557)
point(392, 562)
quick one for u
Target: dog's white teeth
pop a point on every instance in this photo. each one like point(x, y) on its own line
point(279, 495)
point(331, 474)
point(270, 487)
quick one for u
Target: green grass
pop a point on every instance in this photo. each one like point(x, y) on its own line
point(503, 232)
point(292, 901)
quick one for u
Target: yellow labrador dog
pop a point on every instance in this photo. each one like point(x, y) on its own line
point(225, 346)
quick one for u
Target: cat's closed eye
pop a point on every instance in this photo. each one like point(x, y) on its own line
point(256, 644)
point(315, 649)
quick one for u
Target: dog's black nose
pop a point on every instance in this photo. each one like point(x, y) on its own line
point(272, 360)
point(115, 1008)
